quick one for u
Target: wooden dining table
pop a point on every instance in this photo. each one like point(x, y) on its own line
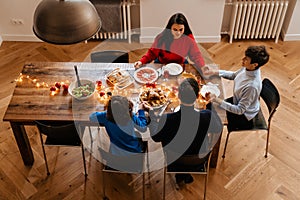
point(33, 100)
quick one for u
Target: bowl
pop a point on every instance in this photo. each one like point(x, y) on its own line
point(85, 91)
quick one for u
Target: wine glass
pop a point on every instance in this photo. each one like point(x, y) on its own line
point(166, 75)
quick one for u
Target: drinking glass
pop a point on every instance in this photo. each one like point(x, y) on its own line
point(166, 75)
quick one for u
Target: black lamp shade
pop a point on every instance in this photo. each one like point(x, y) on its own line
point(65, 21)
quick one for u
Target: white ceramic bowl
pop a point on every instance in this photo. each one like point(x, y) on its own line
point(84, 92)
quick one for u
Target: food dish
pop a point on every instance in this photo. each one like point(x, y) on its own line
point(85, 91)
point(119, 78)
point(210, 87)
point(145, 75)
point(173, 68)
point(154, 97)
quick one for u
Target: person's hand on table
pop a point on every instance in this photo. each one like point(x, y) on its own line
point(137, 64)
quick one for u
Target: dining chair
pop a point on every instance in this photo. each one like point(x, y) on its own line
point(110, 56)
point(124, 164)
point(62, 134)
point(271, 97)
point(192, 164)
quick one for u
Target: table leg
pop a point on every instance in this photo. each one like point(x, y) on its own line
point(215, 154)
point(23, 143)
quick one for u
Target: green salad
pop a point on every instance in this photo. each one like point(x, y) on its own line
point(83, 91)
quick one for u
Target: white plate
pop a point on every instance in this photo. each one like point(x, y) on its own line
point(173, 68)
point(145, 75)
point(209, 87)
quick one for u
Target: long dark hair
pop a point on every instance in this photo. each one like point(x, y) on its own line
point(119, 110)
point(166, 36)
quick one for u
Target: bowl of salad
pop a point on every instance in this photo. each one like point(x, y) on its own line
point(83, 91)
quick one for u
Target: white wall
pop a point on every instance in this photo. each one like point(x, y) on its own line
point(204, 17)
point(291, 27)
point(17, 9)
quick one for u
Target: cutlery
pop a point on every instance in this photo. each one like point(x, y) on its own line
point(77, 76)
point(164, 108)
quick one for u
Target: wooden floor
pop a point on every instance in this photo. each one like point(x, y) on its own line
point(243, 174)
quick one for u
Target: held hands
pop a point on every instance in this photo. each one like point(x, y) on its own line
point(137, 64)
point(207, 71)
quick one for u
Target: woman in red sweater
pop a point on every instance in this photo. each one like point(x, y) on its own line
point(173, 45)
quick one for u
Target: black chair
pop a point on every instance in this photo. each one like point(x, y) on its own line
point(110, 56)
point(59, 134)
point(271, 97)
point(193, 164)
point(131, 164)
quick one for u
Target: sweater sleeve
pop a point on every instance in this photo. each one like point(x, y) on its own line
point(195, 54)
point(98, 117)
point(250, 94)
point(152, 53)
point(140, 121)
point(229, 74)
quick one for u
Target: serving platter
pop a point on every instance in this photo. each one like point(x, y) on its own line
point(145, 75)
point(120, 78)
point(154, 97)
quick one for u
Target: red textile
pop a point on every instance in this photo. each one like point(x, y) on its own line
point(181, 48)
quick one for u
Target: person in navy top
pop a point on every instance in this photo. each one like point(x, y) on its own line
point(185, 131)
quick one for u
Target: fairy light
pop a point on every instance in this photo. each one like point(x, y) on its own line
point(21, 78)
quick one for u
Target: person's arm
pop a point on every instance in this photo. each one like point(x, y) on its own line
point(229, 74)
point(99, 117)
point(158, 127)
point(249, 95)
point(150, 55)
point(195, 54)
point(140, 121)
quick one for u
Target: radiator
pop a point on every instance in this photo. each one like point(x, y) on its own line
point(257, 19)
point(126, 25)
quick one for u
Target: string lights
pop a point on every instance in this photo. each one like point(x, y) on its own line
point(54, 89)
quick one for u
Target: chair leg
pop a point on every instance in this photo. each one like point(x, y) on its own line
point(227, 137)
point(205, 184)
point(164, 182)
point(91, 138)
point(103, 182)
point(84, 162)
point(44, 153)
point(206, 176)
point(143, 186)
point(267, 144)
point(148, 164)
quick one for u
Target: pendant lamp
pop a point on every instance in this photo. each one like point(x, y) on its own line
point(65, 21)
